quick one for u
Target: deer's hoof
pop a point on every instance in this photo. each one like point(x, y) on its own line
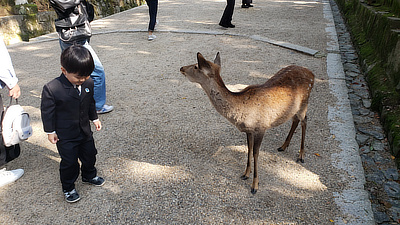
point(280, 149)
point(300, 160)
point(253, 191)
point(244, 177)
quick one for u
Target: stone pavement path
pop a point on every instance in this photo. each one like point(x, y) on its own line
point(382, 176)
point(167, 155)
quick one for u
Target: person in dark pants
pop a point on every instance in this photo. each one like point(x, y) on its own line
point(153, 7)
point(67, 107)
point(226, 20)
point(247, 3)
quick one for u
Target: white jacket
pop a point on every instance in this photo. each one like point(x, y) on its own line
point(7, 73)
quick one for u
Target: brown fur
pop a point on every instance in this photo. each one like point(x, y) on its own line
point(258, 107)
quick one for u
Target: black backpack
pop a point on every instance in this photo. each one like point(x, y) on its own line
point(74, 17)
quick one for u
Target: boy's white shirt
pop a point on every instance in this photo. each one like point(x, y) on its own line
point(7, 74)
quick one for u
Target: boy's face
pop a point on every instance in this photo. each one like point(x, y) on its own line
point(74, 78)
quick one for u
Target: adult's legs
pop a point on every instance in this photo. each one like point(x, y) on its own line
point(153, 8)
point(99, 77)
point(246, 3)
point(226, 20)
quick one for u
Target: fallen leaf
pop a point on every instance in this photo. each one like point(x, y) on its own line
point(317, 154)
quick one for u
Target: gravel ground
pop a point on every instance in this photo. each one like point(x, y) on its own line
point(167, 156)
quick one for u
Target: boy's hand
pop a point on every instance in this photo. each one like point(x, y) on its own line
point(97, 124)
point(53, 138)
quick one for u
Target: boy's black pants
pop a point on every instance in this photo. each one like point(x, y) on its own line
point(70, 151)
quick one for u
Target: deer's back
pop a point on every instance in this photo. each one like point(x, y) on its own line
point(276, 101)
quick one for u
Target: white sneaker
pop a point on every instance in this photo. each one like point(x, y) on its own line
point(105, 109)
point(7, 177)
point(152, 37)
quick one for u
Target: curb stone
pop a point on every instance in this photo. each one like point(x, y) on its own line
point(381, 174)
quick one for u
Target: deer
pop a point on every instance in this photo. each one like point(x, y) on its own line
point(257, 108)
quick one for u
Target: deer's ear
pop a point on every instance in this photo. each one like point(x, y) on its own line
point(217, 59)
point(201, 61)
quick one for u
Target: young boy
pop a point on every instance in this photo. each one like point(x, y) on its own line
point(67, 106)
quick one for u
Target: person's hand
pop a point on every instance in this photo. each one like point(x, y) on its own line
point(53, 138)
point(15, 92)
point(97, 124)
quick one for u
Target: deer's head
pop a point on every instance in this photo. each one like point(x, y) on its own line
point(203, 70)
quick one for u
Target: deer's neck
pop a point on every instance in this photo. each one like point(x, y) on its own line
point(222, 99)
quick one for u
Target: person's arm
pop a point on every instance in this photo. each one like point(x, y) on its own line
point(7, 73)
point(48, 108)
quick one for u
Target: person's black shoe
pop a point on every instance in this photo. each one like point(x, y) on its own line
point(71, 196)
point(97, 181)
point(246, 6)
point(227, 25)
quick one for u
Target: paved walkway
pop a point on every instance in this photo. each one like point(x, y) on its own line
point(167, 155)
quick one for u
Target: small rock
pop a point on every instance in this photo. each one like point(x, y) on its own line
point(367, 161)
point(379, 159)
point(366, 103)
point(377, 177)
point(362, 139)
point(364, 112)
point(362, 119)
point(392, 189)
point(378, 146)
point(381, 217)
point(364, 149)
point(377, 132)
point(395, 213)
point(391, 174)
point(352, 74)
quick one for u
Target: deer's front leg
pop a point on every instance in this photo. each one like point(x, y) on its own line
point(250, 144)
point(256, 149)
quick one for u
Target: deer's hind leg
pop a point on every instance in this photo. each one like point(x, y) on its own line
point(303, 136)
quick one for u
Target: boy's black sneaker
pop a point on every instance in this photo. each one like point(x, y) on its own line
point(71, 196)
point(97, 181)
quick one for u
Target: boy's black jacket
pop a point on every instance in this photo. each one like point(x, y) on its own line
point(64, 111)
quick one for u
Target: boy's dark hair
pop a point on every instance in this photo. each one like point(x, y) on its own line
point(77, 59)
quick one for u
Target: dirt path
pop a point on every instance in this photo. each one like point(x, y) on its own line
point(167, 155)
